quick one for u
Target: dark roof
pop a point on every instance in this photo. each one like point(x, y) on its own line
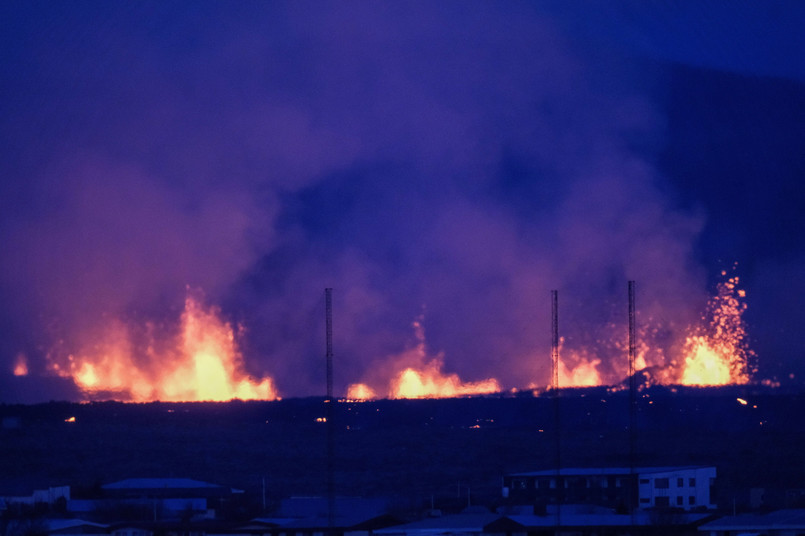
point(779, 519)
point(643, 518)
point(307, 507)
point(609, 471)
point(458, 522)
point(158, 483)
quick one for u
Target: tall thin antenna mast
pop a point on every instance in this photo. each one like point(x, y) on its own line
point(555, 339)
point(555, 395)
point(329, 412)
point(328, 304)
point(632, 393)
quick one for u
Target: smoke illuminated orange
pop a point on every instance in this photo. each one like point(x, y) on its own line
point(717, 353)
point(201, 364)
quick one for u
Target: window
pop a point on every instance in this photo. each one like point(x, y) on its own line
point(644, 500)
point(691, 500)
point(661, 483)
point(679, 500)
point(644, 480)
point(692, 482)
point(680, 482)
point(662, 501)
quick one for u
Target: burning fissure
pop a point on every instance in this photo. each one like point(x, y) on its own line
point(202, 361)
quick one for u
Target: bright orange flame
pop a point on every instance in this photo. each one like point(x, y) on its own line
point(203, 363)
point(430, 382)
point(21, 366)
point(360, 391)
point(414, 374)
point(717, 354)
point(69, 419)
point(584, 374)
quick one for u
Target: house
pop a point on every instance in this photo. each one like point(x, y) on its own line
point(685, 487)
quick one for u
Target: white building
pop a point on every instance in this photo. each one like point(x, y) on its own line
point(684, 487)
point(678, 487)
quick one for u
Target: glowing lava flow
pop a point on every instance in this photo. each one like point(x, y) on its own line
point(418, 376)
point(202, 364)
point(717, 354)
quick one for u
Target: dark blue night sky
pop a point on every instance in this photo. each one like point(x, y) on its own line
point(452, 162)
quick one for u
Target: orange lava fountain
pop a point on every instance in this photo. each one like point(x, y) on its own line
point(583, 374)
point(416, 375)
point(21, 366)
point(202, 364)
point(717, 354)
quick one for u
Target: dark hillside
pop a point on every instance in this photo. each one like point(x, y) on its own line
point(408, 449)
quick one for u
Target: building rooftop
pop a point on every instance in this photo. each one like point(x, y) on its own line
point(793, 519)
point(158, 483)
point(608, 471)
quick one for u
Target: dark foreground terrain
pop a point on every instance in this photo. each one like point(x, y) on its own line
point(414, 451)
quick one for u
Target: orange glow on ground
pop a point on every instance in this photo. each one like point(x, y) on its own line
point(202, 364)
point(717, 353)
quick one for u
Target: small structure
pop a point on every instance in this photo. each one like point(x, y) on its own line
point(686, 487)
point(50, 497)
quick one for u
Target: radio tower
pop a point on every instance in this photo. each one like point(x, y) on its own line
point(632, 394)
point(555, 339)
point(555, 395)
point(329, 412)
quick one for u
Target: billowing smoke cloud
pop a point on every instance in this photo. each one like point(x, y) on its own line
point(451, 161)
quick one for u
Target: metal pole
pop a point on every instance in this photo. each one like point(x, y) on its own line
point(633, 486)
point(329, 413)
point(556, 408)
